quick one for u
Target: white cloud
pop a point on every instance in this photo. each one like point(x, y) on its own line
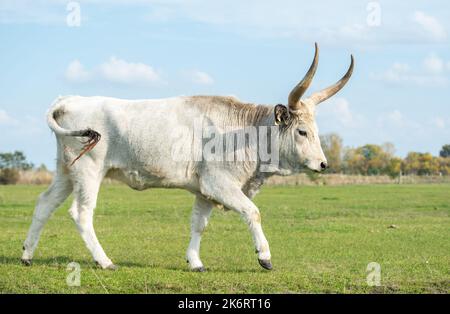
point(160, 15)
point(121, 71)
point(293, 19)
point(338, 110)
point(342, 109)
point(124, 72)
point(6, 119)
point(431, 25)
point(263, 18)
point(397, 72)
point(403, 74)
point(26, 124)
point(114, 70)
point(200, 77)
point(33, 12)
point(388, 124)
point(439, 123)
point(353, 32)
point(396, 118)
point(395, 122)
point(395, 126)
point(76, 72)
point(434, 64)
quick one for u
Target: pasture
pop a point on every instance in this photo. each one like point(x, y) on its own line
point(322, 239)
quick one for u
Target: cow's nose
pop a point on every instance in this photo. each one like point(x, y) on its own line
point(323, 165)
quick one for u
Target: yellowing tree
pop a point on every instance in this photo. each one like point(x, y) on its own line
point(421, 164)
point(372, 159)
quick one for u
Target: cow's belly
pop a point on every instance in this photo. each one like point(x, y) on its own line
point(141, 179)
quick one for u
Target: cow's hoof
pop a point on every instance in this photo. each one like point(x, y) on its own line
point(200, 269)
point(109, 267)
point(26, 262)
point(265, 263)
point(112, 267)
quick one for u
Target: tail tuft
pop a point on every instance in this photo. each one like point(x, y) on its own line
point(93, 138)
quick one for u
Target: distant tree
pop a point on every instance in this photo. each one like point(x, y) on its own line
point(444, 165)
point(9, 176)
point(353, 161)
point(421, 164)
point(10, 166)
point(42, 167)
point(15, 160)
point(332, 148)
point(445, 151)
point(372, 159)
point(395, 167)
point(412, 163)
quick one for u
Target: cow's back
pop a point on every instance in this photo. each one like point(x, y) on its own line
point(137, 138)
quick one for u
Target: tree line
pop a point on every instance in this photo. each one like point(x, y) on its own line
point(11, 164)
point(369, 159)
point(372, 159)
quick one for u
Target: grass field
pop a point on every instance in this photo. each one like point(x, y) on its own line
point(322, 239)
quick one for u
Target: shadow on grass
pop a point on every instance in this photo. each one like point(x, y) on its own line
point(63, 261)
point(57, 260)
point(216, 269)
point(186, 269)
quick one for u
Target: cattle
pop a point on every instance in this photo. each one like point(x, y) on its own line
point(154, 143)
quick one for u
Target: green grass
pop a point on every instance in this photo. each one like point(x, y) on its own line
point(321, 238)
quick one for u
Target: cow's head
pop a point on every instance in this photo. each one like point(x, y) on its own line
point(300, 143)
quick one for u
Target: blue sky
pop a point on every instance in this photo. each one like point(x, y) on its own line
point(255, 50)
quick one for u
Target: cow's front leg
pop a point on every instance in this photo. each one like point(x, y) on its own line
point(233, 198)
point(200, 215)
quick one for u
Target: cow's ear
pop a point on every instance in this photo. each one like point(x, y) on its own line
point(281, 115)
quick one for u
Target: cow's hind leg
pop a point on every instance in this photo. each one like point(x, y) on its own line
point(82, 211)
point(233, 198)
point(200, 215)
point(48, 202)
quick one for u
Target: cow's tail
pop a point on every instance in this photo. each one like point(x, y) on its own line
point(93, 137)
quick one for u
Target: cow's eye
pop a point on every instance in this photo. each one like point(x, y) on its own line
point(302, 133)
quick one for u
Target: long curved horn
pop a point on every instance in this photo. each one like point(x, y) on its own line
point(326, 93)
point(303, 85)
